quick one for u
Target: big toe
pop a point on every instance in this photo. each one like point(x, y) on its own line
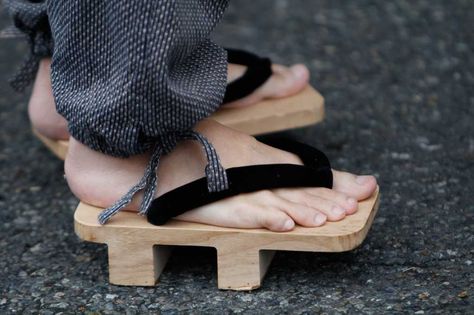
point(300, 72)
point(288, 80)
point(356, 186)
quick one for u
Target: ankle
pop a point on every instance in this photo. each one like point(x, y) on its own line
point(41, 107)
point(243, 147)
point(99, 179)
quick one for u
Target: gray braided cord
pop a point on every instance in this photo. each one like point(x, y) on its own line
point(215, 174)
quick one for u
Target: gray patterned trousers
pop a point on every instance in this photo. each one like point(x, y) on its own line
point(130, 76)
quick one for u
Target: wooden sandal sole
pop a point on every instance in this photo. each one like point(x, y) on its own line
point(138, 251)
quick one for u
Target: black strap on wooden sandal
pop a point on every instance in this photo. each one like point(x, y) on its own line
point(316, 172)
point(258, 71)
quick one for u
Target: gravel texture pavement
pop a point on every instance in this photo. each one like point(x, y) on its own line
point(398, 78)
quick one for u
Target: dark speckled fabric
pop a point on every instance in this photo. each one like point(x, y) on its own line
point(29, 20)
point(131, 76)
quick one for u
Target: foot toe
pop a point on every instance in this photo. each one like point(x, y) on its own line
point(276, 220)
point(357, 187)
point(300, 72)
point(348, 203)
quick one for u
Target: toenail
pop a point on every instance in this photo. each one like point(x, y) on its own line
point(336, 210)
point(351, 201)
point(299, 72)
point(319, 218)
point(361, 180)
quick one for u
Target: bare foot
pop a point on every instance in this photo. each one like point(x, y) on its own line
point(100, 180)
point(285, 81)
point(41, 108)
point(44, 118)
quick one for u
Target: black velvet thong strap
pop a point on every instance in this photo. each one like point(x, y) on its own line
point(258, 71)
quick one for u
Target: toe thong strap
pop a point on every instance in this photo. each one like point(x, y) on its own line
point(258, 71)
point(316, 172)
point(215, 174)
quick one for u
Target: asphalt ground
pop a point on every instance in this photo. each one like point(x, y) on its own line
point(398, 78)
